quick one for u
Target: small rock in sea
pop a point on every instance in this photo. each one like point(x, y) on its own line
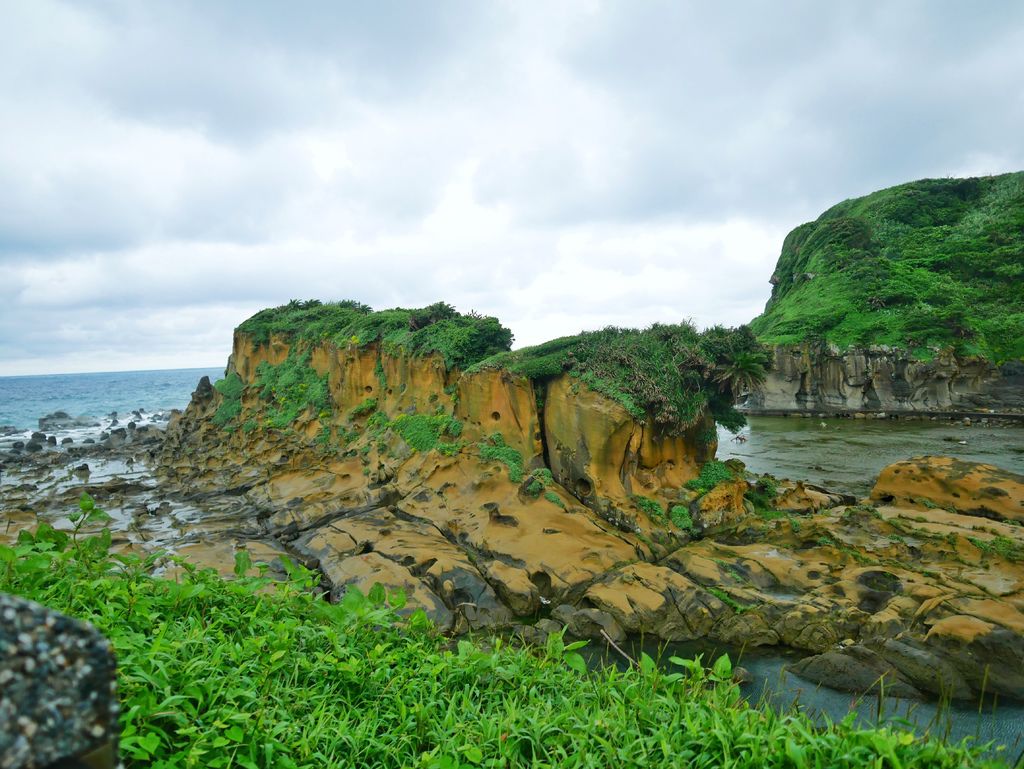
point(132, 425)
point(67, 441)
point(741, 675)
point(88, 440)
point(19, 445)
point(52, 440)
point(114, 422)
point(39, 437)
point(33, 446)
point(137, 413)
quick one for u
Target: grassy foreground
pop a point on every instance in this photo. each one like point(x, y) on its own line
point(220, 673)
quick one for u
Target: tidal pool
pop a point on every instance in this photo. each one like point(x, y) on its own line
point(847, 454)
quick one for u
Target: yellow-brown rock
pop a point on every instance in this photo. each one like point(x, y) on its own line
point(967, 487)
point(461, 515)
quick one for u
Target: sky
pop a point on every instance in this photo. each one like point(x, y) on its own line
point(168, 168)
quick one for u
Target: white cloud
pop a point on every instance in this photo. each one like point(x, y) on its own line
point(166, 169)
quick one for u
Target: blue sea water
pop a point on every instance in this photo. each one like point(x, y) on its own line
point(24, 399)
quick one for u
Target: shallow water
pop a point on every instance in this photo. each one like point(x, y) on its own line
point(1001, 723)
point(847, 454)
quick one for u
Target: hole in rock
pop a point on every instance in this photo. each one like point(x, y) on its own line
point(495, 416)
point(584, 488)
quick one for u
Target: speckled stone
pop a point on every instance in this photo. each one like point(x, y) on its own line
point(58, 689)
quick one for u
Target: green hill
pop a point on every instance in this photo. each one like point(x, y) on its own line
point(933, 264)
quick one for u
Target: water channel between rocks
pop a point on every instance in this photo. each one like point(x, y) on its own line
point(769, 684)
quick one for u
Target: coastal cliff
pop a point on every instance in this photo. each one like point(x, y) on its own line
point(905, 300)
point(823, 378)
point(574, 485)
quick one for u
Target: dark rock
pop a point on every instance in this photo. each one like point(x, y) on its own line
point(89, 440)
point(203, 391)
point(58, 689)
point(52, 440)
point(925, 669)
point(589, 623)
point(855, 669)
point(33, 446)
point(38, 437)
point(18, 445)
point(67, 441)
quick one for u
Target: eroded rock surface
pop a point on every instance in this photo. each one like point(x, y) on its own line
point(817, 378)
point(541, 500)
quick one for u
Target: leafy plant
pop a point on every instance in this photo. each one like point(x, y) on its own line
point(554, 499)
point(368, 406)
point(461, 339)
point(680, 516)
point(712, 473)
point(230, 389)
point(422, 431)
point(494, 449)
point(650, 508)
point(291, 389)
point(243, 672)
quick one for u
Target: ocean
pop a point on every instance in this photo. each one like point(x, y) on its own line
point(24, 399)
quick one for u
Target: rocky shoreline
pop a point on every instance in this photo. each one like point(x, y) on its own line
point(498, 509)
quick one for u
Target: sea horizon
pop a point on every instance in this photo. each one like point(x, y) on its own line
point(26, 398)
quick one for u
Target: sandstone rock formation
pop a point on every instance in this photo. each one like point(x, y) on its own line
point(491, 499)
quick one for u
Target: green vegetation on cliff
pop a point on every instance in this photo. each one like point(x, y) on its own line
point(937, 263)
point(670, 373)
point(461, 339)
point(218, 673)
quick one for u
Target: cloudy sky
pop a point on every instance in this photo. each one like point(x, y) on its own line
point(169, 168)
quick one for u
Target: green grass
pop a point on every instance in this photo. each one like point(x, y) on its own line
point(368, 406)
point(461, 339)
point(728, 600)
point(712, 473)
point(680, 516)
point(650, 508)
point(291, 389)
point(423, 432)
point(554, 499)
point(215, 673)
point(670, 375)
point(494, 449)
point(933, 264)
point(1001, 546)
point(230, 388)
